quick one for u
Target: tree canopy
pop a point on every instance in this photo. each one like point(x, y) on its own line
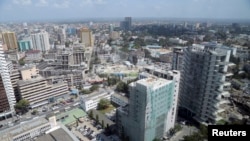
point(103, 104)
point(22, 105)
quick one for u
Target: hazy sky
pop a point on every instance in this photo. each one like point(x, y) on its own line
point(12, 10)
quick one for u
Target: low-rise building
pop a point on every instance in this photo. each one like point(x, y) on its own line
point(33, 55)
point(26, 131)
point(119, 99)
point(91, 101)
point(38, 90)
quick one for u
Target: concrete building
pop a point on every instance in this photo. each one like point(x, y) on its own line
point(25, 45)
point(171, 75)
point(177, 60)
point(14, 55)
point(91, 101)
point(178, 41)
point(40, 41)
point(15, 75)
point(126, 24)
point(9, 38)
point(26, 131)
point(114, 35)
point(33, 55)
point(7, 97)
point(119, 99)
point(86, 37)
point(146, 116)
point(205, 83)
point(37, 90)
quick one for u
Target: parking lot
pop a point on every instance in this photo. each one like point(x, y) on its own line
point(89, 131)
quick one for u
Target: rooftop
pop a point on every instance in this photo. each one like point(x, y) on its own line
point(96, 95)
point(57, 135)
point(72, 116)
point(120, 97)
point(7, 134)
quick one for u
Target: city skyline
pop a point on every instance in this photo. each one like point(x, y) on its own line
point(31, 10)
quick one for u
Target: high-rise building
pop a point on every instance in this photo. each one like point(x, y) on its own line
point(86, 37)
point(111, 28)
point(7, 97)
point(9, 38)
point(177, 60)
point(40, 41)
point(25, 45)
point(205, 82)
point(61, 35)
point(174, 76)
point(126, 24)
point(146, 116)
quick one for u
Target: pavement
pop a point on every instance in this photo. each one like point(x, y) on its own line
point(186, 130)
point(89, 124)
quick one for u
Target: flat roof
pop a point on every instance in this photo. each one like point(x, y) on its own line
point(7, 134)
point(72, 115)
point(57, 135)
point(121, 97)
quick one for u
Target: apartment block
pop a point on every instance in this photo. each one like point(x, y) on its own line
point(205, 83)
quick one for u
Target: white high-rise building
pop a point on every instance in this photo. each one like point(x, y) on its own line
point(205, 83)
point(7, 97)
point(40, 41)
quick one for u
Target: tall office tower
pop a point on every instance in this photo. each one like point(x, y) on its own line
point(9, 38)
point(205, 83)
point(7, 97)
point(128, 20)
point(111, 28)
point(86, 37)
point(146, 116)
point(126, 24)
point(177, 60)
point(40, 41)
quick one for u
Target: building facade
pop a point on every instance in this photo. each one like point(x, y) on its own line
point(177, 60)
point(7, 97)
point(9, 38)
point(91, 101)
point(205, 83)
point(38, 90)
point(86, 37)
point(145, 118)
point(40, 41)
point(25, 45)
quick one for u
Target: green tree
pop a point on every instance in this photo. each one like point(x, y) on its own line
point(86, 91)
point(94, 87)
point(122, 87)
point(97, 118)
point(91, 114)
point(103, 104)
point(21, 62)
point(102, 124)
point(34, 112)
point(22, 105)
